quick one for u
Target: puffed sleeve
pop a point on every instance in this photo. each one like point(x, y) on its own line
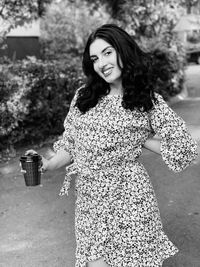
point(66, 142)
point(178, 149)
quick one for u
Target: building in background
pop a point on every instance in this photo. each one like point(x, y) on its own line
point(188, 32)
point(23, 41)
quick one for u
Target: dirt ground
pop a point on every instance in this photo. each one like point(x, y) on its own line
point(37, 226)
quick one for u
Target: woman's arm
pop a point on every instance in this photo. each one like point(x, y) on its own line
point(194, 130)
point(61, 158)
point(153, 143)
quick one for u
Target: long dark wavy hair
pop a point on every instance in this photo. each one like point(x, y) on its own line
point(137, 77)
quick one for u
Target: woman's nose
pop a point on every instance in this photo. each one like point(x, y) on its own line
point(101, 63)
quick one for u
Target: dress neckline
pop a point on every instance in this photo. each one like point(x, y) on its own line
point(109, 95)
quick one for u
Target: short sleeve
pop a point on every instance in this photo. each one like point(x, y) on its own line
point(66, 142)
point(178, 149)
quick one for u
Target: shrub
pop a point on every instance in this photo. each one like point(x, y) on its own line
point(35, 98)
point(13, 103)
point(170, 64)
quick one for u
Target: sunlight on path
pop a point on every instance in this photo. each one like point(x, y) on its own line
point(15, 245)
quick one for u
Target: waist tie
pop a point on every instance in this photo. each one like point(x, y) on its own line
point(70, 170)
point(75, 169)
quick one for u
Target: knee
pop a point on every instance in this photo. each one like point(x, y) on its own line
point(98, 263)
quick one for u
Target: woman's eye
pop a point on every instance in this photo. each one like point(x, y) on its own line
point(108, 53)
point(93, 60)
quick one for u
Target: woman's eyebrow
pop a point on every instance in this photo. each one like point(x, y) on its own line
point(102, 50)
point(105, 48)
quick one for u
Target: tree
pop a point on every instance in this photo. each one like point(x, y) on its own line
point(192, 6)
point(113, 6)
point(67, 24)
point(148, 18)
point(17, 12)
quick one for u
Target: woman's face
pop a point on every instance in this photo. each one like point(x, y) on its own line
point(104, 58)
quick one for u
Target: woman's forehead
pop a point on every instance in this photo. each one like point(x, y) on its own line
point(98, 46)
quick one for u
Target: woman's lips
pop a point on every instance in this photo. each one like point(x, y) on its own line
point(107, 72)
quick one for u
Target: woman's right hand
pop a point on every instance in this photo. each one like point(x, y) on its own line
point(44, 165)
point(57, 160)
point(44, 162)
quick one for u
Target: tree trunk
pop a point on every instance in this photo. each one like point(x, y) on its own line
point(189, 6)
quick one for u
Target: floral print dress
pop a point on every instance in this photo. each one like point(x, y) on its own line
point(117, 216)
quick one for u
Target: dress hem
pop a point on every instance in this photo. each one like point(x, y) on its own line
point(103, 256)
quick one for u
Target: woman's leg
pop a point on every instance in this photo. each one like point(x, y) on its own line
point(98, 263)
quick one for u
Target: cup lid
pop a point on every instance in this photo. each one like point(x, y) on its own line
point(30, 157)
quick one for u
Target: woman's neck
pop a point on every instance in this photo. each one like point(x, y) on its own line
point(116, 90)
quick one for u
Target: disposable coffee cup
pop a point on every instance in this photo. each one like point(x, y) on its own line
point(31, 164)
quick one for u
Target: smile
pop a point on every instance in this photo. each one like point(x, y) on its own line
point(107, 72)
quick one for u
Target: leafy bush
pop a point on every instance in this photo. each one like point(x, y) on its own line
point(170, 64)
point(35, 98)
point(13, 103)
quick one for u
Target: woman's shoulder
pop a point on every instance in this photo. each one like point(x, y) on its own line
point(158, 96)
point(158, 99)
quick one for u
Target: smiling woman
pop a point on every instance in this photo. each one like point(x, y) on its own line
point(105, 61)
point(111, 118)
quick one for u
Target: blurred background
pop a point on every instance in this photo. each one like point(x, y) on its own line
point(41, 43)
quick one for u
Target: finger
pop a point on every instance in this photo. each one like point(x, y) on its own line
point(41, 162)
point(42, 170)
point(30, 151)
point(23, 171)
point(42, 158)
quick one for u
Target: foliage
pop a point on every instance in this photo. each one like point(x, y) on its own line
point(35, 98)
point(149, 18)
point(171, 61)
point(169, 65)
point(66, 26)
point(16, 12)
point(193, 37)
point(13, 106)
point(191, 5)
point(116, 6)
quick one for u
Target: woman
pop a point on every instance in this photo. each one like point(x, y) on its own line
point(111, 118)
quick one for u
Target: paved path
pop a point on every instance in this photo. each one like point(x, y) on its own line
point(37, 225)
point(193, 80)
